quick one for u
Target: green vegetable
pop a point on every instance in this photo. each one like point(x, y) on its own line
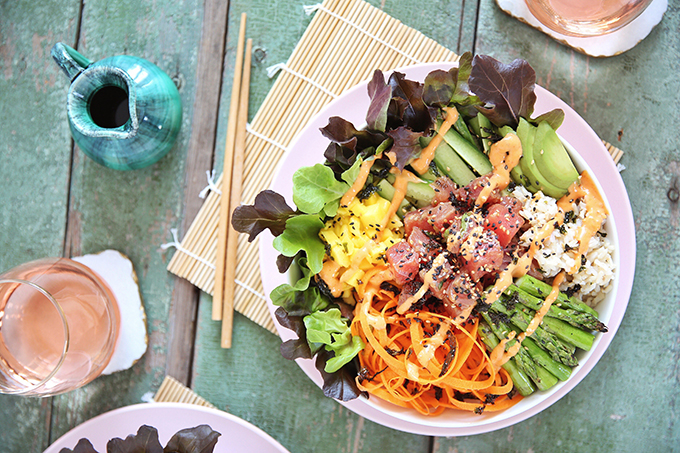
point(576, 318)
point(462, 128)
point(558, 350)
point(539, 375)
point(553, 160)
point(559, 370)
point(314, 187)
point(420, 194)
point(386, 190)
point(541, 289)
point(450, 163)
point(468, 152)
point(302, 233)
point(485, 131)
point(522, 383)
point(328, 328)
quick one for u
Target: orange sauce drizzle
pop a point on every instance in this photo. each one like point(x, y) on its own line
point(358, 184)
point(422, 163)
point(400, 186)
point(427, 282)
point(329, 274)
point(499, 356)
point(504, 156)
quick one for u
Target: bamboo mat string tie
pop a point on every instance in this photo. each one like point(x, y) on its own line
point(178, 246)
point(210, 176)
point(275, 69)
point(263, 137)
point(310, 9)
point(250, 289)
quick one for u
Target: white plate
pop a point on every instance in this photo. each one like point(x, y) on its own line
point(237, 435)
point(308, 149)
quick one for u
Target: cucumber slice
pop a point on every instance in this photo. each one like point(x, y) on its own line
point(450, 163)
point(485, 128)
point(474, 157)
point(386, 190)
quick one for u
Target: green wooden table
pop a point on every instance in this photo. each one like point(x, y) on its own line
point(54, 201)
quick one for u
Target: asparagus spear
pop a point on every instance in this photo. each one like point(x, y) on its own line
point(522, 382)
point(541, 377)
point(563, 331)
point(558, 350)
point(541, 289)
point(574, 317)
point(559, 370)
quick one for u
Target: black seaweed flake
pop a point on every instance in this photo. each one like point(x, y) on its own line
point(367, 191)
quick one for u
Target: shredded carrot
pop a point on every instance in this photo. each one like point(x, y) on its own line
point(420, 359)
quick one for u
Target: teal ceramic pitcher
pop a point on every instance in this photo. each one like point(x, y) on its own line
point(124, 112)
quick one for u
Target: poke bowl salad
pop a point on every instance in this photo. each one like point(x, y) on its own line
point(449, 257)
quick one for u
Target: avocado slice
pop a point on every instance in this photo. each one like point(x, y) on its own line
point(526, 133)
point(553, 160)
point(527, 163)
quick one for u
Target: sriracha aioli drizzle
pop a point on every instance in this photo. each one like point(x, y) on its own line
point(400, 186)
point(422, 164)
point(504, 156)
point(358, 184)
point(499, 356)
point(595, 208)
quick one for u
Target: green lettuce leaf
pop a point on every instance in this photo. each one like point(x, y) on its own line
point(302, 233)
point(314, 187)
point(330, 329)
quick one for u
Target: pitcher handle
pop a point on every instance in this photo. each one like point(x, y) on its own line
point(69, 60)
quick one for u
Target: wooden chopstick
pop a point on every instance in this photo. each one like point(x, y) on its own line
point(223, 228)
point(236, 187)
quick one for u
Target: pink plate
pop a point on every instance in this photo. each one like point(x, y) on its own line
point(588, 153)
point(237, 435)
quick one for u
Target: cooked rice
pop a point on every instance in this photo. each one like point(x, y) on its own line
point(596, 276)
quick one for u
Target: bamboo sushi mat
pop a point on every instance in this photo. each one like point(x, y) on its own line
point(173, 391)
point(323, 65)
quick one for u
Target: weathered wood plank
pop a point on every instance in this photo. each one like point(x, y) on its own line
point(34, 170)
point(133, 211)
point(627, 401)
point(200, 155)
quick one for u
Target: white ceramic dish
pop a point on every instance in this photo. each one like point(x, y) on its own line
point(590, 155)
point(237, 435)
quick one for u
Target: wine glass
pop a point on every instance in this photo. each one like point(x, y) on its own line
point(584, 18)
point(59, 324)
